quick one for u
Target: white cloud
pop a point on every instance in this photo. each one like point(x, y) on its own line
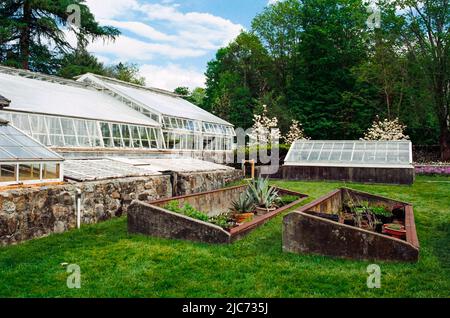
point(129, 49)
point(139, 28)
point(112, 8)
point(194, 28)
point(172, 76)
point(155, 35)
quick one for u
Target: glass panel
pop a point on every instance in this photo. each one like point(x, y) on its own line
point(144, 137)
point(68, 128)
point(117, 137)
point(8, 173)
point(22, 122)
point(153, 138)
point(92, 127)
point(39, 129)
point(126, 136)
point(29, 172)
point(82, 132)
point(55, 133)
point(51, 171)
point(135, 136)
point(106, 133)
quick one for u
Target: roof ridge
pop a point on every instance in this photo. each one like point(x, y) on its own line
point(42, 77)
point(152, 89)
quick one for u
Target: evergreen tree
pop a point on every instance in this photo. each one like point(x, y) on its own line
point(31, 34)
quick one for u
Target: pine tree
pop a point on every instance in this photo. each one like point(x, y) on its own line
point(31, 35)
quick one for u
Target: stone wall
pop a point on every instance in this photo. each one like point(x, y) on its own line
point(29, 213)
point(190, 183)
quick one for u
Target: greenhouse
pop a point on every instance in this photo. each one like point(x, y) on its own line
point(24, 160)
point(358, 161)
point(184, 125)
point(97, 112)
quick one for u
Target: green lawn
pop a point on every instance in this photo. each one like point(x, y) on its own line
point(115, 264)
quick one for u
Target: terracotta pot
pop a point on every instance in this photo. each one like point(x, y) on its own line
point(243, 217)
point(263, 211)
point(400, 234)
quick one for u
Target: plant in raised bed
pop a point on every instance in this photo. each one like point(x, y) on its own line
point(224, 220)
point(382, 213)
point(264, 196)
point(187, 210)
point(243, 208)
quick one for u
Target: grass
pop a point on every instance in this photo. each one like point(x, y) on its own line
point(115, 264)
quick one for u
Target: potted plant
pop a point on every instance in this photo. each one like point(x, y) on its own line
point(383, 214)
point(395, 230)
point(264, 196)
point(243, 208)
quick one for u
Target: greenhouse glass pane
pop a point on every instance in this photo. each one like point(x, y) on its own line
point(8, 173)
point(117, 137)
point(95, 138)
point(144, 137)
point(106, 133)
point(51, 171)
point(29, 172)
point(39, 129)
point(82, 133)
point(22, 122)
point(135, 136)
point(348, 152)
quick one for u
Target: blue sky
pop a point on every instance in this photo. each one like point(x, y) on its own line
point(171, 40)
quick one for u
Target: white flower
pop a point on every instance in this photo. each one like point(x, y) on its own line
point(295, 133)
point(265, 130)
point(386, 130)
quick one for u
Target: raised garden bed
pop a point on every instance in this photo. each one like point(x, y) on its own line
point(353, 224)
point(155, 219)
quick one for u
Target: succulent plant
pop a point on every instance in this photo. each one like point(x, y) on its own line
point(244, 204)
point(263, 195)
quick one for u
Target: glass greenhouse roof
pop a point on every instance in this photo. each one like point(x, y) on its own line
point(164, 103)
point(69, 99)
point(350, 153)
point(16, 146)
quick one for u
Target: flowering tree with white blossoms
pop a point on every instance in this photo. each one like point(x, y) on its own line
point(386, 130)
point(295, 133)
point(265, 130)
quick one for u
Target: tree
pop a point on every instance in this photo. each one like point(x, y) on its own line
point(295, 133)
point(237, 79)
point(31, 35)
point(78, 63)
point(428, 43)
point(196, 97)
point(386, 130)
point(126, 72)
point(265, 129)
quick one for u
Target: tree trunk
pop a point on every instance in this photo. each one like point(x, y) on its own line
point(25, 35)
point(445, 143)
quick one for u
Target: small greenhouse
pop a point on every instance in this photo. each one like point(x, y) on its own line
point(24, 160)
point(357, 161)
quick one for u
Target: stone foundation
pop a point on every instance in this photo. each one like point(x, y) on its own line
point(28, 213)
point(190, 183)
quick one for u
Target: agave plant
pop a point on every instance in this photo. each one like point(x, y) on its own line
point(263, 195)
point(244, 204)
